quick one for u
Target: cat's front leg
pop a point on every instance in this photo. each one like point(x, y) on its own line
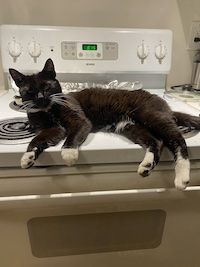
point(77, 134)
point(70, 155)
point(46, 138)
point(28, 159)
point(173, 139)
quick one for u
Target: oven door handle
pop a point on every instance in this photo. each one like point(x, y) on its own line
point(111, 196)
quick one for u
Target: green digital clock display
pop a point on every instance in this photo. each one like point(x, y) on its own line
point(90, 47)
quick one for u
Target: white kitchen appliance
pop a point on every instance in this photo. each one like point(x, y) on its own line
point(98, 212)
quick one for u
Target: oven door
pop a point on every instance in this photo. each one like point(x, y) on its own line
point(158, 226)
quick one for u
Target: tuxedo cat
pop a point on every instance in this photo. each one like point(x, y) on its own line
point(141, 117)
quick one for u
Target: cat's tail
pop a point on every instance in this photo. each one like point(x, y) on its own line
point(186, 120)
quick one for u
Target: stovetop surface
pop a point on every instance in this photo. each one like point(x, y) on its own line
point(99, 142)
point(190, 97)
point(7, 113)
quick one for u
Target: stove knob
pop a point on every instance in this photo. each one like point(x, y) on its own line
point(34, 50)
point(160, 52)
point(14, 49)
point(142, 52)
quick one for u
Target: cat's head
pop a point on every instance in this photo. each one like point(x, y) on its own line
point(39, 87)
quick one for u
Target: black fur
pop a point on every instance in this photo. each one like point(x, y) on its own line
point(150, 121)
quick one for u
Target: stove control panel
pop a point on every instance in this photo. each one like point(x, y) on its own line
point(86, 50)
point(89, 50)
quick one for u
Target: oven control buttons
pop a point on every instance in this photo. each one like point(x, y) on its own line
point(142, 52)
point(14, 49)
point(34, 50)
point(160, 52)
point(89, 50)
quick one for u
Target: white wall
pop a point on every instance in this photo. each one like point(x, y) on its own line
point(189, 11)
point(106, 13)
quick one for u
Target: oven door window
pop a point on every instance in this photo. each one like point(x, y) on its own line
point(94, 233)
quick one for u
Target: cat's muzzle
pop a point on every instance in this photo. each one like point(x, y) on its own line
point(42, 102)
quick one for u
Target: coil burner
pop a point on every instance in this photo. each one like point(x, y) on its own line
point(15, 131)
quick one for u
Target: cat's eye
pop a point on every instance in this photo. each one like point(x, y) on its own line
point(31, 91)
point(47, 87)
point(23, 91)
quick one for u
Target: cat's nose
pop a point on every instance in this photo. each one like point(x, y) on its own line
point(40, 95)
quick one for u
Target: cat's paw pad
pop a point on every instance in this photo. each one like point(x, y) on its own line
point(146, 165)
point(144, 170)
point(69, 155)
point(181, 182)
point(28, 159)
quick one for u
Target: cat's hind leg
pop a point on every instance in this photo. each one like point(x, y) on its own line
point(45, 138)
point(147, 163)
point(166, 128)
point(140, 135)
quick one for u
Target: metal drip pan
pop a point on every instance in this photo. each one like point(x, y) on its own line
point(15, 131)
point(13, 105)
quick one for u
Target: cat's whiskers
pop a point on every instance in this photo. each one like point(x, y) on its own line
point(27, 105)
point(27, 101)
point(57, 94)
point(25, 108)
point(62, 102)
point(66, 101)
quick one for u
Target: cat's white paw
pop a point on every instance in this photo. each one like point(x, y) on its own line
point(182, 170)
point(69, 155)
point(28, 159)
point(147, 164)
point(181, 182)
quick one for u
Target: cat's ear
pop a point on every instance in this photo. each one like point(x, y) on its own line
point(17, 76)
point(49, 69)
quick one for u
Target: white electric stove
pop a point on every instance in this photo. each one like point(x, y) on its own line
point(44, 207)
point(86, 57)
